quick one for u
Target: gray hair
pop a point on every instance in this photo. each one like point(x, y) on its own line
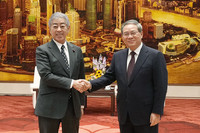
point(132, 21)
point(59, 15)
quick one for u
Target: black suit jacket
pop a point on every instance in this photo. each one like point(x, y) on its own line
point(52, 101)
point(146, 90)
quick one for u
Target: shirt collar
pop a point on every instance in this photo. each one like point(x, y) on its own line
point(137, 50)
point(60, 44)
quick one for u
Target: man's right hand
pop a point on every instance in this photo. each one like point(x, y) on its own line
point(87, 84)
point(81, 85)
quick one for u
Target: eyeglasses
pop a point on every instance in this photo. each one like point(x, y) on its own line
point(132, 33)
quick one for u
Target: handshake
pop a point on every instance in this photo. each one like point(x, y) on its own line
point(81, 85)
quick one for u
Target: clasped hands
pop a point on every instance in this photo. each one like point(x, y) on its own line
point(81, 85)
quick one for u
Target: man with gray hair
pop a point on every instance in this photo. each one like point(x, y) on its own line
point(60, 64)
point(141, 76)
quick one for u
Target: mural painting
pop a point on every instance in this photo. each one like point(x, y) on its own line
point(172, 27)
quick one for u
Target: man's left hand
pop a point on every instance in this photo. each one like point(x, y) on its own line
point(154, 119)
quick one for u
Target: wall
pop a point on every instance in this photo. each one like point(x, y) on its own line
point(174, 91)
point(15, 89)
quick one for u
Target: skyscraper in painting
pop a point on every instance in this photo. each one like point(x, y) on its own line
point(91, 16)
point(12, 47)
point(33, 20)
point(17, 20)
point(10, 8)
point(30, 44)
point(158, 31)
point(3, 11)
point(74, 33)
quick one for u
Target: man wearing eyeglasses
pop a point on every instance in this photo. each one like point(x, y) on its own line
point(59, 64)
point(142, 80)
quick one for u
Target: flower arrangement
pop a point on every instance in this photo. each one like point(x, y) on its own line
point(99, 66)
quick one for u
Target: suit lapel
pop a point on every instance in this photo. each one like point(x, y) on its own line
point(123, 63)
point(72, 57)
point(56, 52)
point(140, 61)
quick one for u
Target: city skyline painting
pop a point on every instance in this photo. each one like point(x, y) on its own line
point(172, 27)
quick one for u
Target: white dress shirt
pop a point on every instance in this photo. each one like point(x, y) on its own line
point(59, 45)
point(137, 52)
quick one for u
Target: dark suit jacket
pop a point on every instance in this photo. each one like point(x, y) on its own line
point(146, 90)
point(55, 81)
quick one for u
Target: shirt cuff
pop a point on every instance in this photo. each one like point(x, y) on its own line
point(90, 89)
point(71, 83)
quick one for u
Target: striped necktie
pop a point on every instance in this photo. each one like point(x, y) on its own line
point(64, 56)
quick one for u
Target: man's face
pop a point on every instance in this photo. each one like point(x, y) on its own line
point(59, 30)
point(131, 36)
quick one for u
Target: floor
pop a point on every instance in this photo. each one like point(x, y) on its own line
point(17, 116)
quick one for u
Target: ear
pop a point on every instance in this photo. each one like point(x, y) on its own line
point(50, 30)
point(122, 37)
point(141, 34)
point(68, 27)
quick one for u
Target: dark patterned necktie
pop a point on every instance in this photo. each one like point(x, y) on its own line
point(64, 56)
point(131, 65)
